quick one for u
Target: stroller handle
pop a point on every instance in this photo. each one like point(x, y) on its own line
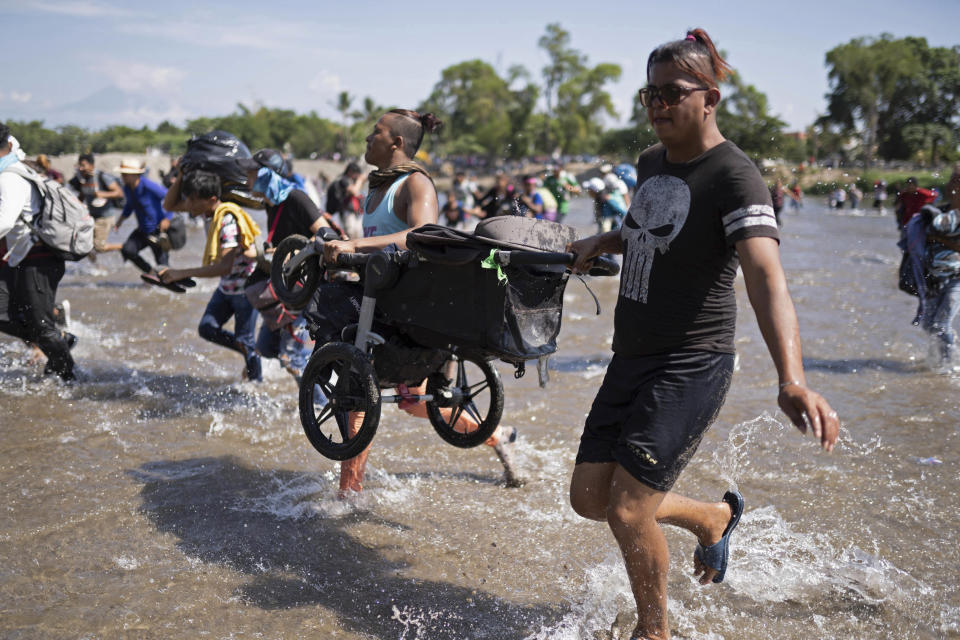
point(602, 265)
point(352, 259)
point(533, 257)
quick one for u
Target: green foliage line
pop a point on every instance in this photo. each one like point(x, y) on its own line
point(890, 98)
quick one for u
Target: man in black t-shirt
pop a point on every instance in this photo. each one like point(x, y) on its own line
point(101, 192)
point(700, 208)
point(500, 200)
point(297, 215)
point(676, 289)
point(676, 312)
point(290, 211)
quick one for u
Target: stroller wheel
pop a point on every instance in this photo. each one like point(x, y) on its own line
point(337, 381)
point(474, 396)
point(295, 289)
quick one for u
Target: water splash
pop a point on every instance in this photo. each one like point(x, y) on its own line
point(777, 562)
point(781, 572)
point(605, 594)
point(420, 622)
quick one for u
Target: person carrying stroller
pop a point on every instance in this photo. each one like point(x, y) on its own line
point(402, 197)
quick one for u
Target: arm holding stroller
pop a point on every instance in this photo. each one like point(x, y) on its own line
point(416, 204)
point(586, 249)
point(598, 266)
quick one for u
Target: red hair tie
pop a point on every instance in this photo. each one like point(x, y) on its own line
point(690, 37)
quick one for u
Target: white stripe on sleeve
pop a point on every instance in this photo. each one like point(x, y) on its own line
point(753, 215)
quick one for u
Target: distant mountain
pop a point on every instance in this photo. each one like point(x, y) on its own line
point(113, 105)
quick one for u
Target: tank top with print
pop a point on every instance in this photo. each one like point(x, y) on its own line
point(383, 220)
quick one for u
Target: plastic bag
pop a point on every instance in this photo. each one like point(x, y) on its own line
point(218, 152)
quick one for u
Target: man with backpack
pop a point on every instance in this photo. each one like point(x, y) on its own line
point(30, 270)
point(103, 194)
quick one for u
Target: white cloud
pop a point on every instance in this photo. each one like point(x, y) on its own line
point(78, 8)
point(16, 97)
point(139, 76)
point(326, 84)
point(295, 38)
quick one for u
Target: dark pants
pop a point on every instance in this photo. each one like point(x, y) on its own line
point(137, 242)
point(28, 293)
point(333, 306)
point(220, 308)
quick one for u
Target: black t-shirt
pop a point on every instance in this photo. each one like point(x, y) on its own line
point(496, 204)
point(453, 215)
point(676, 286)
point(338, 200)
point(85, 186)
point(296, 215)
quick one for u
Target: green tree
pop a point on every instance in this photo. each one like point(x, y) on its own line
point(922, 114)
point(828, 141)
point(627, 143)
point(523, 135)
point(743, 116)
point(864, 75)
point(343, 105)
point(34, 138)
point(313, 136)
point(565, 62)
point(474, 102)
point(368, 114)
point(582, 101)
point(927, 140)
point(575, 94)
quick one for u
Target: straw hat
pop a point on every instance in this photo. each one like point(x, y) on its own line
point(132, 165)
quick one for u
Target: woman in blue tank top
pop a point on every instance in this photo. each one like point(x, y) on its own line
point(402, 197)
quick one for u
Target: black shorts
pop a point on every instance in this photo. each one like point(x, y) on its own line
point(652, 411)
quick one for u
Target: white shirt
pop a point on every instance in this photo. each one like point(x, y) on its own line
point(17, 196)
point(614, 183)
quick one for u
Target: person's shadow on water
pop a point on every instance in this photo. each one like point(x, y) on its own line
point(210, 505)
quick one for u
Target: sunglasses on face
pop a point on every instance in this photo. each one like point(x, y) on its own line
point(669, 94)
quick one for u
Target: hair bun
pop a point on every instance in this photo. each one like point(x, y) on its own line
point(430, 123)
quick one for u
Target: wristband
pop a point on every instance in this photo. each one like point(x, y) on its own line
point(784, 385)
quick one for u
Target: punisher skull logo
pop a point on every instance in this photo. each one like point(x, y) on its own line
point(657, 214)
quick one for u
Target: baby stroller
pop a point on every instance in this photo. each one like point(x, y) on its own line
point(440, 311)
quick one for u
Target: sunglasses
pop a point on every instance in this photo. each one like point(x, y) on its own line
point(669, 94)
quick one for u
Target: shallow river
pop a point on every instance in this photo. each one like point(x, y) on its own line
point(161, 497)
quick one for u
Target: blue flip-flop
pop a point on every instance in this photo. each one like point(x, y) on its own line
point(716, 555)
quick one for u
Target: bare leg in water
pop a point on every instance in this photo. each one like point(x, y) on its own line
point(634, 512)
point(352, 470)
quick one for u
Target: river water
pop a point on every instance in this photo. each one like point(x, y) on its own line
point(162, 497)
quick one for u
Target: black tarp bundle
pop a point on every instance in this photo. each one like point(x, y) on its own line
point(218, 152)
point(450, 298)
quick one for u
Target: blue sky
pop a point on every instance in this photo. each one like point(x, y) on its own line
point(94, 62)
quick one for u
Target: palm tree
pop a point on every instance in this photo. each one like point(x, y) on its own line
point(342, 105)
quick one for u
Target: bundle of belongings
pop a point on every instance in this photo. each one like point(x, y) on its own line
point(927, 264)
point(222, 153)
